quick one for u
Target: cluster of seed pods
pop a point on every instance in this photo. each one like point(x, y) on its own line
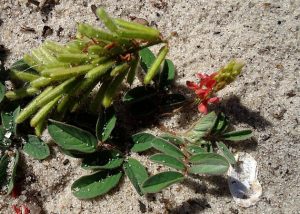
point(66, 74)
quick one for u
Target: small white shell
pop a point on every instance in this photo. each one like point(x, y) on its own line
point(242, 180)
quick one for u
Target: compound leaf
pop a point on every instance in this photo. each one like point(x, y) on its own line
point(136, 173)
point(172, 138)
point(237, 135)
point(193, 149)
point(142, 141)
point(226, 152)
point(8, 120)
point(36, 148)
point(168, 160)
point(147, 58)
point(105, 124)
point(221, 124)
point(167, 148)
point(167, 75)
point(105, 159)
point(208, 163)
point(94, 185)
point(201, 127)
point(161, 180)
point(72, 138)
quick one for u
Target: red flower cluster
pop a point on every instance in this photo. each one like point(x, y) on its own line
point(204, 90)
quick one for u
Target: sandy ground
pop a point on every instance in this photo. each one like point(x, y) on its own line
point(265, 34)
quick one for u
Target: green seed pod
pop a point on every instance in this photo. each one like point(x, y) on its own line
point(55, 47)
point(47, 54)
point(137, 27)
point(40, 82)
point(39, 57)
point(63, 104)
point(40, 128)
point(96, 103)
point(112, 89)
point(65, 73)
point(31, 108)
point(119, 69)
point(91, 32)
point(64, 87)
point(33, 63)
point(99, 70)
point(24, 76)
point(98, 50)
point(21, 93)
point(99, 60)
point(75, 58)
point(133, 34)
point(108, 22)
point(154, 69)
point(57, 65)
point(43, 112)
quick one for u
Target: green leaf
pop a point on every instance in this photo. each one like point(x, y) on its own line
point(105, 159)
point(167, 75)
point(11, 181)
point(161, 180)
point(147, 58)
point(36, 148)
point(172, 138)
point(136, 173)
point(72, 138)
point(237, 135)
point(94, 185)
point(193, 149)
point(168, 160)
point(8, 120)
point(226, 152)
point(139, 94)
point(208, 163)
point(105, 124)
point(167, 148)
point(201, 127)
point(142, 141)
point(2, 92)
point(3, 168)
point(172, 101)
point(221, 124)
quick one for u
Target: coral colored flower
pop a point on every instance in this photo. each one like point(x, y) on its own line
point(204, 90)
point(202, 107)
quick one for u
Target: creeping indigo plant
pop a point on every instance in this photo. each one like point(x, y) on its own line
point(61, 77)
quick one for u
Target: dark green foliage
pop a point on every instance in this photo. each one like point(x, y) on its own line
point(105, 124)
point(105, 159)
point(136, 173)
point(161, 180)
point(72, 138)
point(36, 148)
point(94, 185)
